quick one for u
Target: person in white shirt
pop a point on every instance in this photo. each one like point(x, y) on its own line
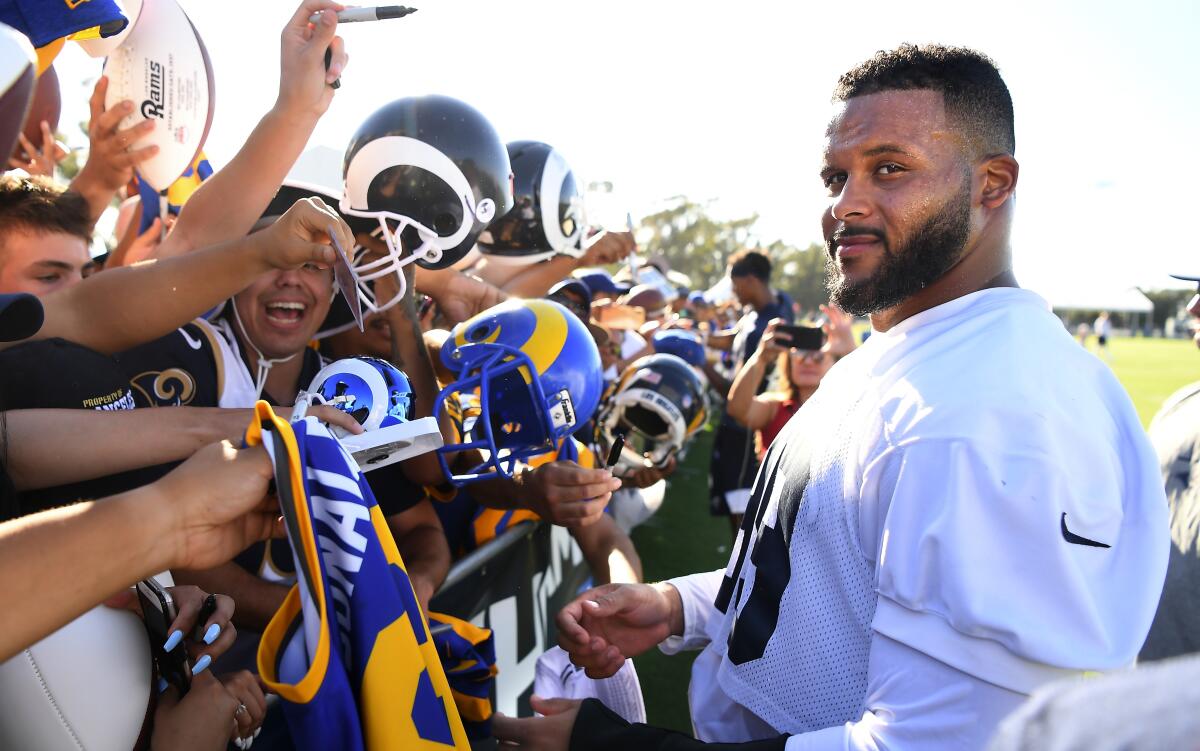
point(967, 509)
point(1103, 329)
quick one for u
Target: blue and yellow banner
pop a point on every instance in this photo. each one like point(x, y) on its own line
point(349, 651)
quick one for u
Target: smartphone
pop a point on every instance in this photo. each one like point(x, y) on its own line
point(618, 316)
point(800, 337)
point(158, 611)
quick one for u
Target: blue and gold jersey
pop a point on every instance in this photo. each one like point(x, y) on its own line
point(349, 651)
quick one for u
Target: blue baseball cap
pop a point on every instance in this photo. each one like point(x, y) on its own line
point(698, 298)
point(20, 316)
point(599, 280)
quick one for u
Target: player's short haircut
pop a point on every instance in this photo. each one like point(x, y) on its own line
point(973, 91)
point(750, 263)
point(37, 204)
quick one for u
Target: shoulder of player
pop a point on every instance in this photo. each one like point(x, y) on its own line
point(1016, 373)
point(1181, 400)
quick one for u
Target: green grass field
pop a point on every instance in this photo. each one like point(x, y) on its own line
point(682, 538)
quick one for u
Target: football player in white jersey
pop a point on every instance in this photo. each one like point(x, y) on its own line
point(967, 509)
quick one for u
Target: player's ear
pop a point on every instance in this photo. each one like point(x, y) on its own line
point(999, 180)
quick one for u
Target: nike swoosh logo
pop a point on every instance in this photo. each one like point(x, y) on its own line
point(1075, 539)
point(193, 343)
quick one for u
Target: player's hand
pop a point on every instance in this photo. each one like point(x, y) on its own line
point(647, 476)
point(604, 626)
point(566, 494)
point(839, 330)
point(110, 162)
point(39, 161)
point(217, 504)
point(551, 732)
point(204, 719)
point(305, 89)
point(607, 247)
point(301, 236)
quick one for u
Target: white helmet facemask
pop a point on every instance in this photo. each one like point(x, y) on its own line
point(399, 151)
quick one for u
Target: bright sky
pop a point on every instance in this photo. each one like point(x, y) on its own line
point(728, 102)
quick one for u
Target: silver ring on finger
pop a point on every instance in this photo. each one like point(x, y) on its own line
point(241, 709)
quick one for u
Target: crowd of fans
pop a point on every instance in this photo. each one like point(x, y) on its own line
point(227, 303)
point(568, 375)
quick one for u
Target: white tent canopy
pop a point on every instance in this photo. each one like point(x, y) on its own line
point(1114, 301)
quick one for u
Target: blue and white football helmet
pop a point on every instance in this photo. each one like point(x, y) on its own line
point(372, 391)
point(537, 372)
point(684, 344)
point(378, 397)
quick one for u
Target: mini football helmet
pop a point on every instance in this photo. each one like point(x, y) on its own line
point(536, 370)
point(372, 391)
point(684, 344)
point(548, 215)
point(658, 404)
point(434, 174)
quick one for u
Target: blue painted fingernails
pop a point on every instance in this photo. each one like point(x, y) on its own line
point(201, 665)
point(173, 640)
point(212, 633)
point(162, 685)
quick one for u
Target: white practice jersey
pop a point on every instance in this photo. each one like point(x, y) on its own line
point(972, 485)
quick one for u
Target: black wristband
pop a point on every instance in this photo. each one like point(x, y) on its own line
point(598, 728)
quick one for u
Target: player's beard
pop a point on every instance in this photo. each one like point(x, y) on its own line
point(930, 252)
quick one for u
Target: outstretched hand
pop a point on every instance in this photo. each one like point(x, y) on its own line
point(305, 86)
point(218, 504)
point(111, 156)
point(301, 236)
point(566, 494)
point(604, 626)
point(39, 161)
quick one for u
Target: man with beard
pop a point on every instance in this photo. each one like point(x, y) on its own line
point(967, 509)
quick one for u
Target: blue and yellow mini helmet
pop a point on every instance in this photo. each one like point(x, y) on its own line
point(536, 369)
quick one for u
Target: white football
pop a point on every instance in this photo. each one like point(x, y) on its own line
point(163, 67)
point(105, 47)
point(86, 686)
point(18, 74)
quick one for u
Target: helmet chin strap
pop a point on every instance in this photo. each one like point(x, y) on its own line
point(264, 364)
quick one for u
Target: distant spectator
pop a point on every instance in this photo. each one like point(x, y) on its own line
point(734, 462)
point(1103, 327)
